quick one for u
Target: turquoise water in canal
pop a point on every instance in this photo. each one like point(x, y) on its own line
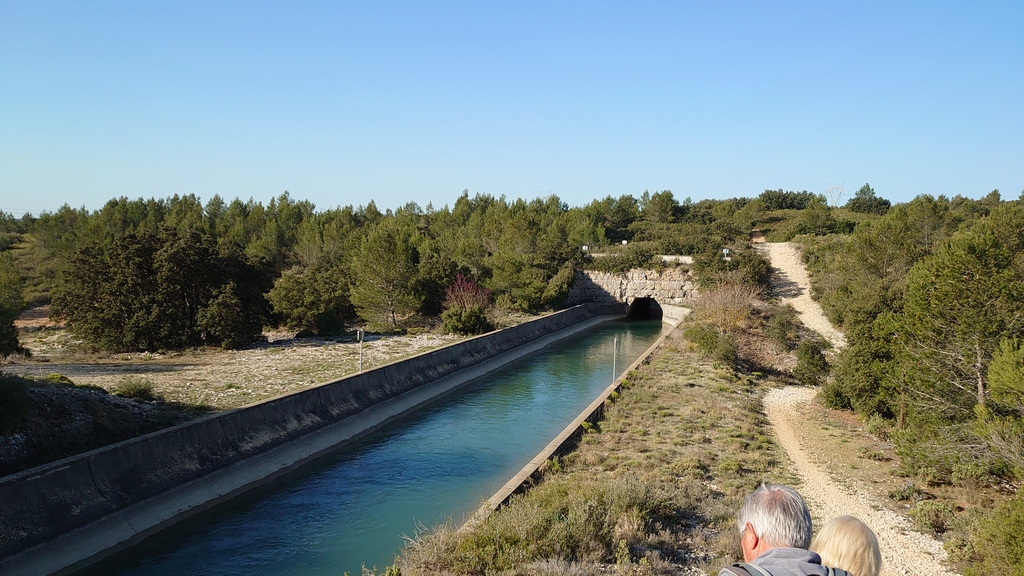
point(353, 507)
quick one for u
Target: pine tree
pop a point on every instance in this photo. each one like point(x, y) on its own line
point(385, 271)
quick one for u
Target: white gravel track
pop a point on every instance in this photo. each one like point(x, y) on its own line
point(903, 550)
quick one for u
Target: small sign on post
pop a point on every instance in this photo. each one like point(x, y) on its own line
point(359, 337)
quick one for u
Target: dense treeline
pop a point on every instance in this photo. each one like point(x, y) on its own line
point(931, 298)
point(172, 273)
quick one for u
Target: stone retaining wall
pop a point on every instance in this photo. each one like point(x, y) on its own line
point(668, 286)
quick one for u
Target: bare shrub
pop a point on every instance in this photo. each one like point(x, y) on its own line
point(727, 306)
point(466, 293)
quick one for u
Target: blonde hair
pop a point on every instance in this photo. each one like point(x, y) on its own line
point(846, 542)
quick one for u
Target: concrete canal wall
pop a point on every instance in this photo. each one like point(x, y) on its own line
point(64, 515)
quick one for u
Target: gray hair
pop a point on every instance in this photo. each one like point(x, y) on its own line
point(778, 516)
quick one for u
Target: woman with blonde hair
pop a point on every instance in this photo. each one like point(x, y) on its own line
point(846, 542)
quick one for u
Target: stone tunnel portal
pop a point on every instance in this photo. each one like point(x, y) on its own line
point(644, 309)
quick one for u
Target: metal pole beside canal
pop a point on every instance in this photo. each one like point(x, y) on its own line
point(615, 352)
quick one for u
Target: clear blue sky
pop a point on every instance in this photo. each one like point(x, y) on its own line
point(343, 102)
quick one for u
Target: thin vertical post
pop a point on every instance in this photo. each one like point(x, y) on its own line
point(615, 354)
point(359, 336)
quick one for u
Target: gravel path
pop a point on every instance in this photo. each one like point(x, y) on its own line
point(791, 284)
point(903, 550)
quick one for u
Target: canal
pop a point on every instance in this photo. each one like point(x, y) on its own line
point(354, 506)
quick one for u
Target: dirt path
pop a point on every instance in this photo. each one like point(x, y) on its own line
point(791, 284)
point(903, 550)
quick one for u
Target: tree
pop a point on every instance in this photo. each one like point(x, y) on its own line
point(227, 320)
point(779, 200)
point(659, 207)
point(314, 298)
point(187, 276)
point(960, 303)
point(817, 219)
point(107, 297)
point(385, 271)
point(1006, 376)
point(618, 215)
point(10, 305)
point(152, 290)
point(864, 200)
point(1003, 425)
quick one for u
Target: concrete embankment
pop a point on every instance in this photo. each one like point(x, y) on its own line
point(64, 515)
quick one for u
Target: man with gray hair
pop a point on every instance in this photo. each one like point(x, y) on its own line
point(775, 530)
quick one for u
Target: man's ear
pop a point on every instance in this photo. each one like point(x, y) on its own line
point(748, 542)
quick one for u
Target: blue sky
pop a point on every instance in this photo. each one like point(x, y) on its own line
point(346, 102)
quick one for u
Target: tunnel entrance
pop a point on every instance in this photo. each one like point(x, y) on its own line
point(644, 309)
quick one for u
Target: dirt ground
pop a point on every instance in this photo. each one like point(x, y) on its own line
point(213, 378)
point(844, 470)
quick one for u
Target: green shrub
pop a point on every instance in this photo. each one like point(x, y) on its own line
point(704, 337)
point(747, 266)
point(834, 396)
point(933, 516)
point(557, 289)
point(136, 388)
point(878, 426)
point(713, 344)
point(995, 542)
point(8, 239)
point(726, 350)
point(635, 255)
point(781, 328)
point(970, 475)
point(908, 492)
point(465, 321)
point(582, 519)
point(811, 366)
point(931, 449)
point(57, 378)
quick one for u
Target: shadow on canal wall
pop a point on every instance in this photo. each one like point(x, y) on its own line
point(67, 514)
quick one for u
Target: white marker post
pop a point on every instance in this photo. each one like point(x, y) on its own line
point(615, 354)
